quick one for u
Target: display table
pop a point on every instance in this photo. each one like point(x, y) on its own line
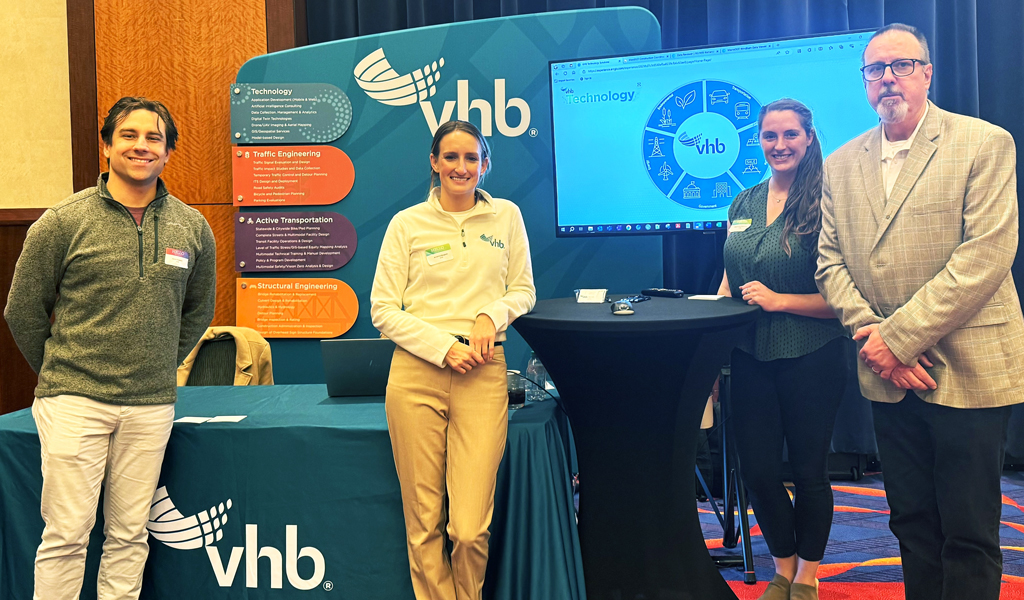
point(302, 494)
point(635, 388)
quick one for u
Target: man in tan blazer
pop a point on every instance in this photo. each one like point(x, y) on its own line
point(919, 230)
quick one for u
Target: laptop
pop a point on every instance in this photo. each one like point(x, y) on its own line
point(357, 367)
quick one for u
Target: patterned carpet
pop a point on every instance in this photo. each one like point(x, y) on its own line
point(862, 558)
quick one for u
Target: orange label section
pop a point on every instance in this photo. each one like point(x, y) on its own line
point(290, 175)
point(296, 308)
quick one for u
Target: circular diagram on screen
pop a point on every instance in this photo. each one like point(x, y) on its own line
point(700, 144)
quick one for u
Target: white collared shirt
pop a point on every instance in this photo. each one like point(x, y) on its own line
point(894, 154)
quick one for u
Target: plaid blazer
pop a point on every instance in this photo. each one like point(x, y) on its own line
point(932, 264)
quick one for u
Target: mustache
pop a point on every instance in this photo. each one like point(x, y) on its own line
point(890, 91)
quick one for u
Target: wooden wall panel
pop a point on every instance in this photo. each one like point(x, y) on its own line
point(286, 24)
point(186, 54)
point(85, 131)
point(221, 220)
point(187, 59)
point(17, 380)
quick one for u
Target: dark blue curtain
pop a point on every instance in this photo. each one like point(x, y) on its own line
point(977, 46)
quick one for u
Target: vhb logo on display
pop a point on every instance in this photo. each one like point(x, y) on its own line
point(707, 148)
point(700, 144)
point(205, 528)
point(382, 83)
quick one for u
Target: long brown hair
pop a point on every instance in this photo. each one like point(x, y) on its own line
point(802, 213)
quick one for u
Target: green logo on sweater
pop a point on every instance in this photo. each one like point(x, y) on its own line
point(493, 242)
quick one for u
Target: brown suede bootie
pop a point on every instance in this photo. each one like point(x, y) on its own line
point(802, 591)
point(778, 589)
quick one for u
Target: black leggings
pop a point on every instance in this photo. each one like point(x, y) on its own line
point(793, 400)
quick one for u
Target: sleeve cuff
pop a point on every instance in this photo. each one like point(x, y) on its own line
point(498, 316)
point(888, 331)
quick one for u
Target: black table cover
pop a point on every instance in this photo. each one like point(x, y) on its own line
point(635, 388)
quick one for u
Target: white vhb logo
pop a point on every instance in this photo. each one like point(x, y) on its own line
point(169, 526)
point(382, 83)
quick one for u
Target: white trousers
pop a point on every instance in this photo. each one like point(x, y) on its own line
point(85, 444)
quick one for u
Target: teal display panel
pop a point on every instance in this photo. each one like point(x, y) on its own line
point(288, 114)
point(492, 72)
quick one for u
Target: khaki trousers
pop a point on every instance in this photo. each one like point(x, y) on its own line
point(448, 435)
point(83, 443)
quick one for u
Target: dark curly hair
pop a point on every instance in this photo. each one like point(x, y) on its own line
point(129, 104)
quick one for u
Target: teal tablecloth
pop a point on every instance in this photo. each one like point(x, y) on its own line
point(302, 493)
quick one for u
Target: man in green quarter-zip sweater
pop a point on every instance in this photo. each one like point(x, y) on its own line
point(127, 273)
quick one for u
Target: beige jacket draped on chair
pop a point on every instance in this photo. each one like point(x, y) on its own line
point(253, 365)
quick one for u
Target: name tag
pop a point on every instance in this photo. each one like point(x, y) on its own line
point(439, 254)
point(176, 258)
point(739, 225)
point(592, 296)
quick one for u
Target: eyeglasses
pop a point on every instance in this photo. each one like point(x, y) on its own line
point(901, 67)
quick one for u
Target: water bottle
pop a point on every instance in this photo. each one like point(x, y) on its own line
point(537, 374)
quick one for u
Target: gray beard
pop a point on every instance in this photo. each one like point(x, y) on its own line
point(891, 112)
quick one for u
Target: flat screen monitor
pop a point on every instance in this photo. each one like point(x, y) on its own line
point(663, 142)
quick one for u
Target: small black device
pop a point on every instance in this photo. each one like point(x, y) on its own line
point(622, 307)
point(634, 299)
point(662, 292)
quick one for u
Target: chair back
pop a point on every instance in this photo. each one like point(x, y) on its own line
point(215, 363)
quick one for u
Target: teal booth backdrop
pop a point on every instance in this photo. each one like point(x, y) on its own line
point(494, 72)
point(271, 492)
